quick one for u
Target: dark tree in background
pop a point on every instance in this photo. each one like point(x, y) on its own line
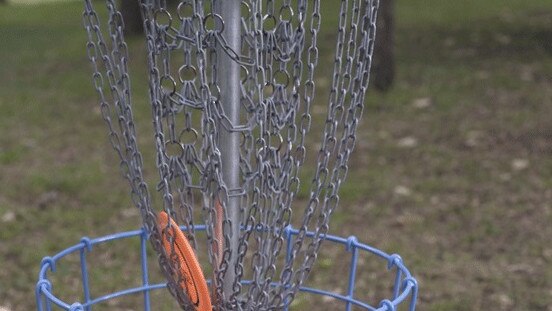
point(130, 9)
point(383, 65)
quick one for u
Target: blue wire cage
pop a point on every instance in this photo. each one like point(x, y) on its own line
point(403, 294)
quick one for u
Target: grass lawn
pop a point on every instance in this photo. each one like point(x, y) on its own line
point(452, 169)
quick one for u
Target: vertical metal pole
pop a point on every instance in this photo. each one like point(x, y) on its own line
point(84, 275)
point(228, 76)
point(288, 234)
point(145, 278)
point(352, 246)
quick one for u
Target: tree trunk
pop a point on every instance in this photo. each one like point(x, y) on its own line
point(383, 65)
point(130, 10)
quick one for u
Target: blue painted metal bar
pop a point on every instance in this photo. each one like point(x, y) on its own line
point(87, 247)
point(393, 261)
point(289, 237)
point(352, 248)
point(53, 299)
point(45, 296)
point(396, 286)
point(414, 296)
point(144, 259)
point(38, 296)
point(84, 274)
point(125, 292)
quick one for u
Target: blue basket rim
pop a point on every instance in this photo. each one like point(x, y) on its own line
point(408, 286)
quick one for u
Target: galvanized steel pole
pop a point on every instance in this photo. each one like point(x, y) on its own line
point(228, 78)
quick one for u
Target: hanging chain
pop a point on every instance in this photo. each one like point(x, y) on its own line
point(278, 57)
point(110, 60)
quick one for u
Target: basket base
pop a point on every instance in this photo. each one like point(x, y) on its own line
point(404, 291)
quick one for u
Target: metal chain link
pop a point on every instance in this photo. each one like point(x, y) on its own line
point(278, 56)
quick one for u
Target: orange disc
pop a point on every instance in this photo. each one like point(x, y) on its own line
point(195, 285)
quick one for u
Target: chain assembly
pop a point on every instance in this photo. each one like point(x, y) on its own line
point(231, 88)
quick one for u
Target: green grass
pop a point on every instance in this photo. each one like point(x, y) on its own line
point(472, 226)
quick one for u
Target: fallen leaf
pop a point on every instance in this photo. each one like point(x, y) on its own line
point(473, 139)
point(407, 142)
point(422, 103)
point(520, 164)
point(8, 216)
point(402, 191)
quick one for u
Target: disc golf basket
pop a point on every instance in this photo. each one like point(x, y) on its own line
point(232, 88)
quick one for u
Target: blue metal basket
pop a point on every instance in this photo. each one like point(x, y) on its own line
point(405, 287)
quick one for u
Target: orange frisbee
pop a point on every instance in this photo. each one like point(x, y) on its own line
point(195, 284)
